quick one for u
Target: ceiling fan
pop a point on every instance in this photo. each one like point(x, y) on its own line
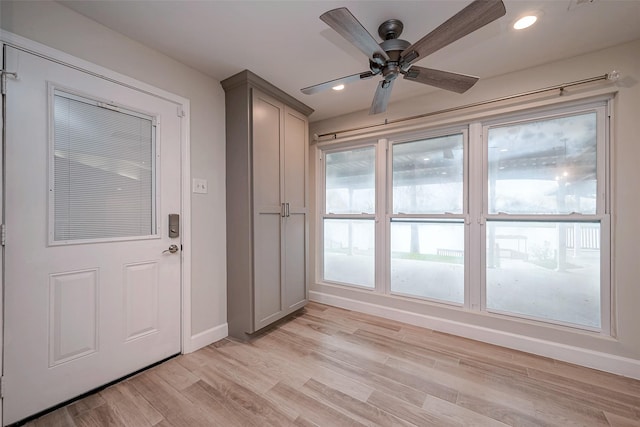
point(394, 56)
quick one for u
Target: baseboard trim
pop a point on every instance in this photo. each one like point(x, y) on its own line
point(204, 338)
point(580, 356)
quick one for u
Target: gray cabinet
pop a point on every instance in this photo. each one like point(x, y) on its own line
point(267, 203)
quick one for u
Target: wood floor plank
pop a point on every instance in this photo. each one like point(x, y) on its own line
point(415, 353)
point(58, 418)
point(340, 382)
point(99, 416)
point(176, 375)
point(361, 410)
point(377, 382)
point(327, 366)
point(500, 412)
point(169, 402)
point(545, 410)
point(408, 412)
point(549, 403)
point(619, 421)
point(129, 406)
point(86, 404)
point(325, 343)
point(309, 408)
point(218, 409)
point(592, 376)
point(458, 414)
point(253, 404)
point(583, 387)
point(239, 373)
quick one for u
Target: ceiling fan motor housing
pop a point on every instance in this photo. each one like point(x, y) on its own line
point(393, 46)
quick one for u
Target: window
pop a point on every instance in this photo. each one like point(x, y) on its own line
point(508, 216)
point(349, 217)
point(427, 223)
point(103, 171)
point(544, 214)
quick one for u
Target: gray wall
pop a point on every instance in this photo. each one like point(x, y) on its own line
point(625, 175)
point(56, 26)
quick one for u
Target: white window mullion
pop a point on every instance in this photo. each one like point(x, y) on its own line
point(382, 221)
point(608, 323)
point(474, 283)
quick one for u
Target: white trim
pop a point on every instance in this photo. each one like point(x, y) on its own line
point(80, 64)
point(205, 338)
point(592, 359)
point(2, 187)
point(185, 223)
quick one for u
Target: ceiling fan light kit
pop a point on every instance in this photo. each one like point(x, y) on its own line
point(394, 56)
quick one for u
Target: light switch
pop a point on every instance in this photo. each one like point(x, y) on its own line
point(200, 186)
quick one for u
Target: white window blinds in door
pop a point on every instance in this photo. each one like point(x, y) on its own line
point(103, 171)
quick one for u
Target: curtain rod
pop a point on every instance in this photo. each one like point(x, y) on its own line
point(612, 76)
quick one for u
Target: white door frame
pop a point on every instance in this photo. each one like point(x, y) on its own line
point(2, 248)
point(182, 108)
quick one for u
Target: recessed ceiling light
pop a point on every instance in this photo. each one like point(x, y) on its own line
point(525, 21)
point(338, 87)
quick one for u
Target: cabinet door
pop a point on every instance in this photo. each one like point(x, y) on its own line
point(295, 224)
point(295, 262)
point(267, 158)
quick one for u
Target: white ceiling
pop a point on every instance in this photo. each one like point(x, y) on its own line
point(285, 43)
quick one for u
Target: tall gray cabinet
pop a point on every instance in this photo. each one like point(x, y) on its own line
point(267, 203)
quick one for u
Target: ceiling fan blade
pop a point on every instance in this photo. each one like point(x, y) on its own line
point(459, 83)
point(331, 83)
point(474, 16)
point(381, 98)
point(345, 24)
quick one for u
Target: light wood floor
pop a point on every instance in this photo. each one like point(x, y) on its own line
point(333, 367)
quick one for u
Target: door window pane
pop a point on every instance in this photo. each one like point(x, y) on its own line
point(103, 172)
point(350, 181)
point(428, 175)
point(543, 167)
point(349, 250)
point(546, 270)
point(427, 260)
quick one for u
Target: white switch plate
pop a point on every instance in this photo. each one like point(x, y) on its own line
point(200, 186)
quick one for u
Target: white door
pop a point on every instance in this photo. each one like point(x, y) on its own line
point(92, 173)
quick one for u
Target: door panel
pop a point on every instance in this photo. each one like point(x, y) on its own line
point(266, 152)
point(295, 278)
point(267, 304)
point(81, 315)
point(141, 287)
point(295, 163)
point(73, 315)
point(295, 176)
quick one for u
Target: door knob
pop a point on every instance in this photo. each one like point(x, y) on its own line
point(172, 249)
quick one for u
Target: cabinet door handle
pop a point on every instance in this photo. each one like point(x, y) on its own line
point(283, 210)
point(288, 211)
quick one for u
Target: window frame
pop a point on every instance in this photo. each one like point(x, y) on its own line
point(323, 214)
point(475, 203)
point(462, 217)
point(53, 90)
point(601, 216)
